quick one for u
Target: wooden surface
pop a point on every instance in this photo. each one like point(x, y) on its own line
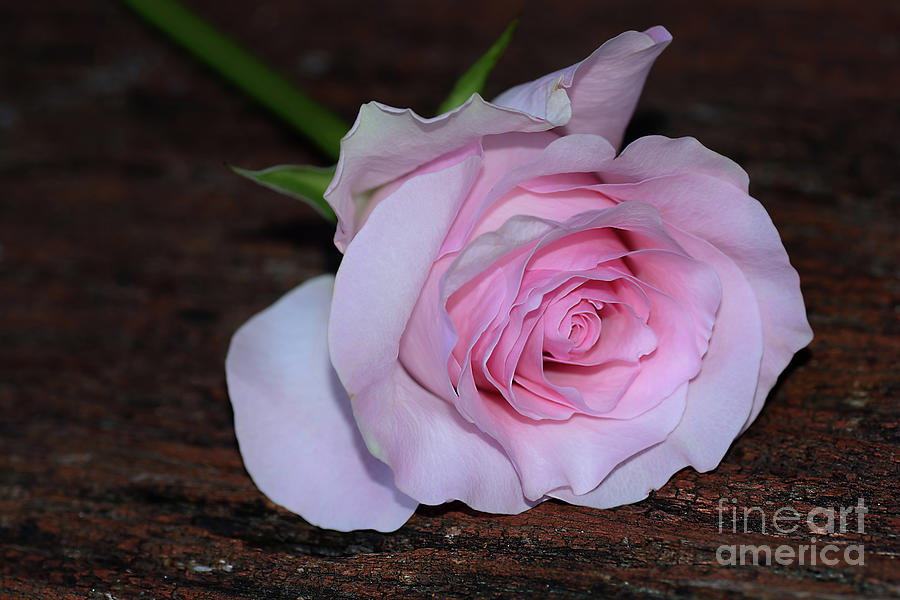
point(130, 255)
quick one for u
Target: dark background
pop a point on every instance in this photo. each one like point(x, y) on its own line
point(129, 255)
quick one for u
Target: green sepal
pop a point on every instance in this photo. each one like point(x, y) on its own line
point(472, 81)
point(297, 181)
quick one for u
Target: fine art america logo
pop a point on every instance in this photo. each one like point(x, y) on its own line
point(787, 520)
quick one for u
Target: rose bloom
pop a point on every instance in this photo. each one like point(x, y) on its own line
point(522, 313)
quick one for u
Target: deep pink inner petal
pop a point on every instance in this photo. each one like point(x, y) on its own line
point(572, 320)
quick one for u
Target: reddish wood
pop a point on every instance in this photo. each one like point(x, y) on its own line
point(130, 255)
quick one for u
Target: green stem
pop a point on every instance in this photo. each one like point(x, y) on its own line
point(267, 87)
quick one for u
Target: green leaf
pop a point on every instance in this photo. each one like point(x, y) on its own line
point(242, 69)
point(472, 81)
point(297, 181)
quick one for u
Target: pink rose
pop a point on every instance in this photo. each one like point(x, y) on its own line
point(521, 313)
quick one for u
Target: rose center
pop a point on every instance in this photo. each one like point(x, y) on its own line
point(584, 329)
point(577, 332)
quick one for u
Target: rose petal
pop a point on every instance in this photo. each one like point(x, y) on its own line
point(713, 210)
point(501, 154)
point(549, 381)
point(436, 456)
point(603, 89)
point(496, 356)
point(384, 269)
point(682, 331)
point(542, 453)
point(587, 165)
point(429, 333)
point(294, 426)
point(513, 244)
point(623, 337)
point(518, 240)
point(657, 156)
point(515, 365)
point(385, 143)
point(718, 399)
point(429, 337)
point(577, 453)
point(580, 153)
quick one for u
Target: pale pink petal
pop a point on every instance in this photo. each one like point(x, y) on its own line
point(557, 205)
point(386, 143)
point(656, 156)
point(430, 337)
point(522, 236)
point(582, 249)
point(454, 157)
point(561, 182)
point(425, 343)
point(535, 405)
point(501, 154)
point(579, 153)
point(436, 456)
point(497, 354)
point(577, 453)
point(384, 270)
point(700, 192)
point(479, 299)
point(714, 210)
point(694, 285)
point(293, 421)
point(602, 90)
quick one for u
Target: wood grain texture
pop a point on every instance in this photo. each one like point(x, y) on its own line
point(130, 255)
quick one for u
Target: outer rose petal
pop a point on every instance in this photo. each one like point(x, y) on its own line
point(603, 88)
point(293, 422)
point(373, 295)
point(435, 455)
point(656, 156)
point(386, 143)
